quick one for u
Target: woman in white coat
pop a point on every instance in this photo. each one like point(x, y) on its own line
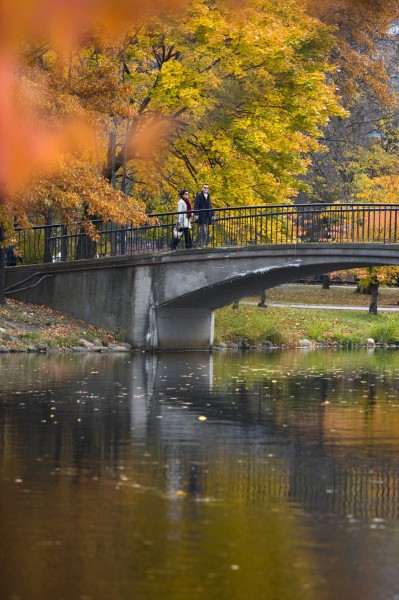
point(183, 225)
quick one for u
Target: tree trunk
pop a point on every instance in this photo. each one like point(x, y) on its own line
point(262, 302)
point(374, 298)
point(114, 162)
point(86, 247)
point(326, 282)
point(2, 268)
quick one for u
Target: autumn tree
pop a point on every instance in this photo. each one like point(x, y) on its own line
point(236, 95)
point(365, 54)
point(371, 278)
point(361, 28)
point(233, 96)
point(361, 162)
point(42, 128)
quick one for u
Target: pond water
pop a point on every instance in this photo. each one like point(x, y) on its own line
point(194, 476)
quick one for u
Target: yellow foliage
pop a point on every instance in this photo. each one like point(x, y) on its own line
point(377, 275)
point(245, 92)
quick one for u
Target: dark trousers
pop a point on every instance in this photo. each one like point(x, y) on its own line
point(202, 238)
point(187, 239)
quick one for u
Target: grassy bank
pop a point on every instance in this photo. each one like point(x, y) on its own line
point(25, 327)
point(286, 326)
point(283, 326)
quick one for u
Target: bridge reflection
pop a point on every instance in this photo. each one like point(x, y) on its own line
point(279, 426)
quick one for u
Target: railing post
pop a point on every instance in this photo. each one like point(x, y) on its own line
point(123, 240)
point(2, 267)
point(47, 257)
point(64, 243)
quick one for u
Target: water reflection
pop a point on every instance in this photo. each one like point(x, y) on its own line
point(192, 475)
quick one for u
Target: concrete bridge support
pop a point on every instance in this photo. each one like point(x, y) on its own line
point(178, 327)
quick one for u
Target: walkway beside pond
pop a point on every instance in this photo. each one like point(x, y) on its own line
point(325, 306)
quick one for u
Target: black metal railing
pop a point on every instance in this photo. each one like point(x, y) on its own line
point(235, 226)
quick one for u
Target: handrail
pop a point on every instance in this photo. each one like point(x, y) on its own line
point(10, 289)
point(231, 226)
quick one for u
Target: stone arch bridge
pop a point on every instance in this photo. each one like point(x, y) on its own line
point(166, 301)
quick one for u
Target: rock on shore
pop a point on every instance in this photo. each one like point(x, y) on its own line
point(30, 328)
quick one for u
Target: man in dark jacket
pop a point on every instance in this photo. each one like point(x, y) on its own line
point(204, 217)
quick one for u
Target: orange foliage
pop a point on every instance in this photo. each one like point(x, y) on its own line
point(358, 25)
point(28, 139)
point(61, 191)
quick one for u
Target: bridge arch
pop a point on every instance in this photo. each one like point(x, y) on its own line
point(267, 267)
point(246, 271)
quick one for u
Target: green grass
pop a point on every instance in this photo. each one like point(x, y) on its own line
point(386, 330)
point(284, 326)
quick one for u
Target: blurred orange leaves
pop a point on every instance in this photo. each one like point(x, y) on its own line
point(28, 137)
point(62, 22)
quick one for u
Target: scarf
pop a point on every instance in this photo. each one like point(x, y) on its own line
point(189, 208)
